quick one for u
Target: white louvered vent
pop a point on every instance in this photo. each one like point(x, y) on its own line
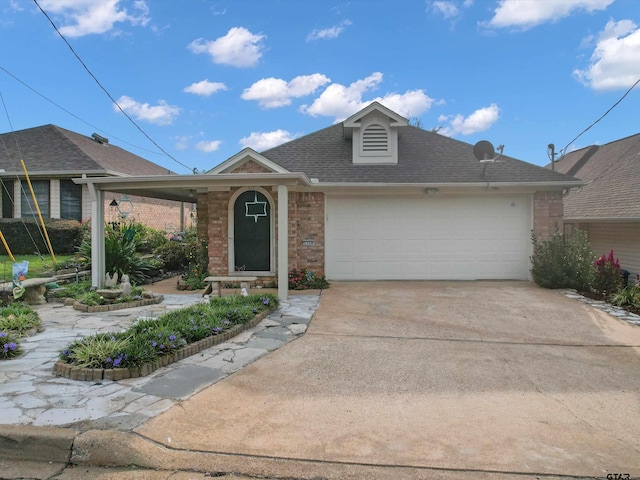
point(375, 139)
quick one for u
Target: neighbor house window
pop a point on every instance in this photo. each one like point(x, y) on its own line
point(7, 198)
point(70, 200)
point(41, 190)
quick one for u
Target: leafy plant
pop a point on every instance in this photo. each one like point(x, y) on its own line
point(92, 299)
point(9, 346)
point(628, 296)
point(149, 339)
point(72, 290)
point(103, 350)
point(173, 255)
point(303, 279)
point(121, 252)
point(563, 261)
point(608, 278)
point(18, 318)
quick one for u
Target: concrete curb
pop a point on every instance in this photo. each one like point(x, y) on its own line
point(101, 448)
point(40, 444)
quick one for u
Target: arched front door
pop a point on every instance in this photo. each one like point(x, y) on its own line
point(252, 232)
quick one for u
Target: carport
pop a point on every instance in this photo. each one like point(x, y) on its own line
point(185, 188)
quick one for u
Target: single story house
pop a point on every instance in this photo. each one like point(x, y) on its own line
point(608, 208)
point(54, 155)
point(369, 198)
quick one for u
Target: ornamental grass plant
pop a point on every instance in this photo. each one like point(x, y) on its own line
point(148, 340)
point(16, 321)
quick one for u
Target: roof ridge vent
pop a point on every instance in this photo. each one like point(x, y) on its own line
point(100, 138)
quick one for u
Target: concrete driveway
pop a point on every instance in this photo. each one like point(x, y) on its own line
point(433, 378)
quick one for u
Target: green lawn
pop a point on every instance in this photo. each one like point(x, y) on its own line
point(37, 265)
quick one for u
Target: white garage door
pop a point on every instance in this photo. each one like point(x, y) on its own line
point(428, 238)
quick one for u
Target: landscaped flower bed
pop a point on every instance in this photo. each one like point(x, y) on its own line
point(109, 307)
point(152, 343)
point(16, 320)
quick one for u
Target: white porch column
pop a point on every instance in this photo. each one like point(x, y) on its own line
point(97, 236)
point(283, 242)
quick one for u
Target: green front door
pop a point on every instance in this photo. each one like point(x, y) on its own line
point(252, 232)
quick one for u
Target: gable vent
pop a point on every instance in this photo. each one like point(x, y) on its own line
point(375, 139)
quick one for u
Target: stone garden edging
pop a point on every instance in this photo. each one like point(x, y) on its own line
point(67, 370)
point(143, 302)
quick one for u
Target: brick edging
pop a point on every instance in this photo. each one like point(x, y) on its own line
point(67, 370)
point(117, 306)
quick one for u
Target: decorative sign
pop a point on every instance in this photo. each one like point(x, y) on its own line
point(255, 209)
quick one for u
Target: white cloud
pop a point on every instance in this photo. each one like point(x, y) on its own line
point(615, 62)
point(529, 13)
point(208, 146)
point(275, 92)
point(478, 121)
point(260, 141)
point(328, 33)
point(161, 114)
point(340, 102)
point(447, 9)
point(182, 142)
point(85, 17)
point(238, 48)
point(205, 88)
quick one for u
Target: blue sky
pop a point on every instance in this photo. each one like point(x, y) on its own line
point(204, 79)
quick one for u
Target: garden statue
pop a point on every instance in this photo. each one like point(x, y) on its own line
point(111, 281)
point(125, 285)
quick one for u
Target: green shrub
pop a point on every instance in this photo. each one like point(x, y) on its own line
point(18, 318)
point(173, 255)
point(306, 280)
point(121, 255)
point(22, 233)
point(148, 239)
point(608, 276)
point(628, 296)
point(563, 261)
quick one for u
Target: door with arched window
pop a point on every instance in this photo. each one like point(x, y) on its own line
point(252, 232)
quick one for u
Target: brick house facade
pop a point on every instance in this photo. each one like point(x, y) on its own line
point(371, 198)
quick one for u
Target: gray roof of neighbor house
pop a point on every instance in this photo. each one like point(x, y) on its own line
point(614, 172)
point(423, 157)
point(51, 150)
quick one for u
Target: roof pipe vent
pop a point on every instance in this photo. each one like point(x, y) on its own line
point(100, 138)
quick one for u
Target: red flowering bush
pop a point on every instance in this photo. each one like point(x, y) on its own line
point(303, 279)
point(608, 278)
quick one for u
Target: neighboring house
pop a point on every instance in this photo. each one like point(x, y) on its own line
point(608, 208)
point(54, 156)
point(370, 198)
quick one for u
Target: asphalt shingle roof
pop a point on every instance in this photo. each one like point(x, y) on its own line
point(614, 171)
point(49, 148)
point(423, 157)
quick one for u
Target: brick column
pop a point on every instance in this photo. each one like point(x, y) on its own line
point(548, 210)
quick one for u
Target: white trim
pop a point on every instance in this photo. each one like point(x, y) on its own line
point(396, 120)
point(231, 234)
point(283, 242)
point(243, 157)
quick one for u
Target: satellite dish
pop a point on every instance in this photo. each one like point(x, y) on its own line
point(483, 151)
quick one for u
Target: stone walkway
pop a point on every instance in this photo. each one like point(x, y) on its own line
point(612, 310)
point(31, 395)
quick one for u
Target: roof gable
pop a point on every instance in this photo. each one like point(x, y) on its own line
point(246, 156)
point(613, 170)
